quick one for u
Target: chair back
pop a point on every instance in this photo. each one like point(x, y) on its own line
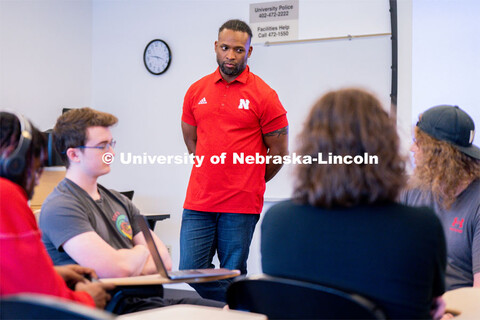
point(280, 298)
point(36, 306)
point(128, 194)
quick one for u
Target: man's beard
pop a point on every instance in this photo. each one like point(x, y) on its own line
point(229, 71)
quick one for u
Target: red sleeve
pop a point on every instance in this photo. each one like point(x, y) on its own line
point(187, 114)
point(277, 123)
point(274, 116)
point(25, 266)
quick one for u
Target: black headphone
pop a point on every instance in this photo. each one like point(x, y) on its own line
point(13, 165)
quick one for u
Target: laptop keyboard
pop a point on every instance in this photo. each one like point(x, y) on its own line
point(197, 271)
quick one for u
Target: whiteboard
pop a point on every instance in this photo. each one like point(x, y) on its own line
point(301, 72)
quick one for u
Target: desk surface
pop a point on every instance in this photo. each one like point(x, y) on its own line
point(464, 301)
point(152, 218)
point(153, 279)
point(156, 216)
point(189, 312)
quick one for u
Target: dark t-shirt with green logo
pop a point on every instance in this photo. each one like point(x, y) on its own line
point(69, 211)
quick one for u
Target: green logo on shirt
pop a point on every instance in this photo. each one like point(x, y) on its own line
point(123, 225)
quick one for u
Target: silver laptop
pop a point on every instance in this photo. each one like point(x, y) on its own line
point(181, 274)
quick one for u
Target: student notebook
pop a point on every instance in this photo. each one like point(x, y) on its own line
point(175, 275)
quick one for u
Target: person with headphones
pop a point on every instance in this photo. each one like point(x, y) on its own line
point(25, 266)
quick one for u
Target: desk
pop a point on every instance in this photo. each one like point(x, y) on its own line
point(189, 312)
point(154, 279)
point(152, 218)
point(49, 179)
point(464, 301)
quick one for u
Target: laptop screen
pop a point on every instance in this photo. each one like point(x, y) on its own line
point(152, 247)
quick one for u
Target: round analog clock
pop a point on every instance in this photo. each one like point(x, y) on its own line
point(157, 57)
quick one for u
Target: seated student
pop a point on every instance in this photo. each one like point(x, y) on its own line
point(25, 266)
point(342, 228)
point(83, 222)
point(447, 179)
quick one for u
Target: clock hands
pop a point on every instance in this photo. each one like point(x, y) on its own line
point(161, 58)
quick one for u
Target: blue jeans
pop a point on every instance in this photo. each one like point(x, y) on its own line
point(204, 233)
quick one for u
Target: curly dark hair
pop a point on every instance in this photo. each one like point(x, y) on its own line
point(349, 122)
point(438, 160)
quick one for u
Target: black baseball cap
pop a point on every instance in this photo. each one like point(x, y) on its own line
point(450, 124)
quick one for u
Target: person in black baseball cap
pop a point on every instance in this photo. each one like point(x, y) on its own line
point(453, 125)
point(447, 178)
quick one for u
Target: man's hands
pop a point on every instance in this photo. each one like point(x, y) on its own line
point(73, 273)
point(77, 278)
point(97, 290)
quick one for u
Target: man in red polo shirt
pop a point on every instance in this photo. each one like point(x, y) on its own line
point(229, 113)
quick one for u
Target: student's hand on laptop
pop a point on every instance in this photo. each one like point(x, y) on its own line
point(97, 290)
point(73, 273)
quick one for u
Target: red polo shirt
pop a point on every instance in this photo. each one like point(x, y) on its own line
point(230, 118)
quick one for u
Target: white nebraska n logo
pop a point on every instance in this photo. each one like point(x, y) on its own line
point(243, 104)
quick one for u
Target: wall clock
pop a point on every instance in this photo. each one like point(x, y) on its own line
point(157, 56)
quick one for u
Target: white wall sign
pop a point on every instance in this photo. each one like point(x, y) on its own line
point(274, 21)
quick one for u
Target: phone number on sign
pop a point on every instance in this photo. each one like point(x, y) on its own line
point(273, 14)
point(273, 34)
